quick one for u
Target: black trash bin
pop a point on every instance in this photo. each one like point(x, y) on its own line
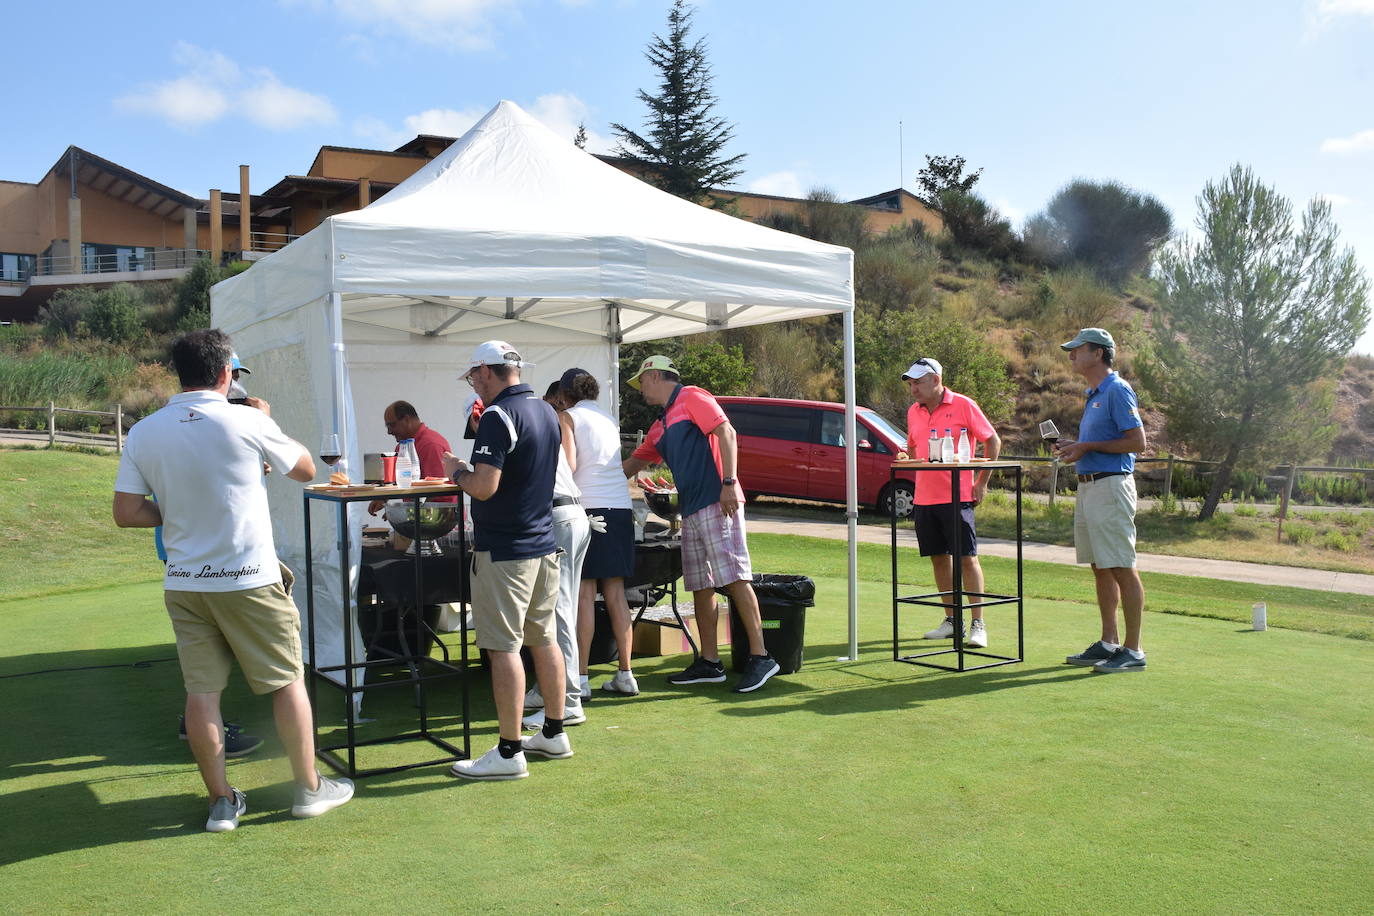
point(783, 601)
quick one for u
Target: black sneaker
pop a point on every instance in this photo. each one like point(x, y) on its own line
point(757, 671)
point(236, 743)
point(700, 671)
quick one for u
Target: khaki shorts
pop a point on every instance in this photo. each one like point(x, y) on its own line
point(514, 601)
point(1104, 522)
point(259, 627)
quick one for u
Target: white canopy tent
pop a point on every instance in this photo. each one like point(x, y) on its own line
point(514, 234)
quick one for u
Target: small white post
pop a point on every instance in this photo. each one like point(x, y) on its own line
point(52, 424)
point(119, 429)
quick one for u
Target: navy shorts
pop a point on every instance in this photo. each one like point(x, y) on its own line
point(611, 555)
point(934, 534)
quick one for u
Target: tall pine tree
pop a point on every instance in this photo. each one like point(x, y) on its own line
point(682, 148)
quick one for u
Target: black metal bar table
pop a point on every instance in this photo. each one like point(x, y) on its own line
point(959, 597)
point(423, 668)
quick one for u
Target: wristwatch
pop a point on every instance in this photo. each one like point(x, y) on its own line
point(727, 481)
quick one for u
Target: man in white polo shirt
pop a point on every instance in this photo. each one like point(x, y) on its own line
point(223, 588)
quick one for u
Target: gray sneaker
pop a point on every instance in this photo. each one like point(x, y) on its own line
point(330, 794)
point(1122, 659)
point(757, 671)
point(226, 811)
point(1097, 652)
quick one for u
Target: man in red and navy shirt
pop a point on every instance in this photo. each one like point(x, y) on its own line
point(936, 408)
point(698, 444)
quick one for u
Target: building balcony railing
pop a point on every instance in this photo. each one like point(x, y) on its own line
point(269, 241)
point(147, 260)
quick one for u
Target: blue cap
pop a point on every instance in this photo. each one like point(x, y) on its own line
point(237, 366)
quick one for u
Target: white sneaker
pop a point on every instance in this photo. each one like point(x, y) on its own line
point(944, 631)
point(534, 699)
point(492, 766)
point(586, 688)
point(623, 683)
point(556, 748)
point(977, 635)
point(572, 715)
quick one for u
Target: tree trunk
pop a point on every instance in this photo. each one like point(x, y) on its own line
point(1222, 480)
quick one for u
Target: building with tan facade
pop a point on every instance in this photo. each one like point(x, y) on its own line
point(92, 222)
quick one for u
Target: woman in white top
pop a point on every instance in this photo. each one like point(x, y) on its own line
point(606, 496)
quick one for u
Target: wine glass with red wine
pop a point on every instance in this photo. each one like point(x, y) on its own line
point(1050, 433)
point(329, 449)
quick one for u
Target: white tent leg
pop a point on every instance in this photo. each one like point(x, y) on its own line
point(851, 485)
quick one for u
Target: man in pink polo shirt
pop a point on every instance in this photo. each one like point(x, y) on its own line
point(936, 407)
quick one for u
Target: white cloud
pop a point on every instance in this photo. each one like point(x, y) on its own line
point(271, 104)
point(561, 112)
point(1361, 142)
point(1336, 200)
point(380, 134)
point(779, 184)
point(215, 88)
point(442, 122)
point(465, 24)
point(1015, 215)
point(185, 101)
point(1332, 9)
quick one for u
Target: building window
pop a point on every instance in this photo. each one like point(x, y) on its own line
point(16, 267)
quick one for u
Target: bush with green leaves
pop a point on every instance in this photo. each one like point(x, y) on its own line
point(886, 345)
point(703, 362)
point(114, 314)
point(974, 224)
point(1105, 227)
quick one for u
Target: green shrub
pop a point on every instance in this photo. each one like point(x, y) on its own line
point(114, 314)
point(1336, 540)
point(1246, 510)
point(1300, 534)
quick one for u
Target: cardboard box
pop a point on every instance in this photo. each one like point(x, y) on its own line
point(651, 639)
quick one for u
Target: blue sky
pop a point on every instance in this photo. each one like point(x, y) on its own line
point(1163, 96)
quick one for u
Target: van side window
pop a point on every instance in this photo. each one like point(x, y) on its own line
point(879, 446)
point(770, 421)
point(832, 428)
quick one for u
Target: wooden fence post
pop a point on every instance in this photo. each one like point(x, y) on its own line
point(52, 424)
point(119, 429)
point(1283, 503)
point(1168, 476)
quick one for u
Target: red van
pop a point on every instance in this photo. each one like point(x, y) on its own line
point(796, 448)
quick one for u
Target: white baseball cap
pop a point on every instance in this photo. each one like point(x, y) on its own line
point(495, 353)
point(924, 366)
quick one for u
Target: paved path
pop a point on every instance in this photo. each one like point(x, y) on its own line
point(1228, 570)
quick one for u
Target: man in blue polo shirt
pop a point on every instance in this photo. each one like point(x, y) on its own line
point(1109, 437)
point(515, 558)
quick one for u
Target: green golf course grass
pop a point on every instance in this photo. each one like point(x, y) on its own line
point(1233, 776)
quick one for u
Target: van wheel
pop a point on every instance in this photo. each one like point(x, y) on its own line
point(902, 493)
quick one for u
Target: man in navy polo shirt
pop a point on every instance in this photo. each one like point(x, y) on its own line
point(1109, 437)
point(515, 559)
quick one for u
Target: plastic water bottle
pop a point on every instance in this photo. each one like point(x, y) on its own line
point(933, 447)
point(406, 463)
point(947, 447)
point(965, 450)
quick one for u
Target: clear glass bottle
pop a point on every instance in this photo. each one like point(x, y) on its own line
point(964, 451)
point(947, 447)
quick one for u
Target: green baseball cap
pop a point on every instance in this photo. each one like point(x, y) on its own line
point(657, 361)
point(1090, 336)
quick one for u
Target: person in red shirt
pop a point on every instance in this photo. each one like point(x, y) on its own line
point(937, 407)
point(403, 422)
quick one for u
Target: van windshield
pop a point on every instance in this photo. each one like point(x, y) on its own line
point(882, 426)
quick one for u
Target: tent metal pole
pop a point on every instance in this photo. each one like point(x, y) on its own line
point(851, 484)
point(337, 364)
point(613, 335)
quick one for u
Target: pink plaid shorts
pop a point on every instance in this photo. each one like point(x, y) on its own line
point(714, 552)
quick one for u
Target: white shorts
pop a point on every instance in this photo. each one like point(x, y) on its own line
point(1104, 522)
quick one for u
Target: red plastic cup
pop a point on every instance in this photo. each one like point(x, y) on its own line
point(388, 469)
